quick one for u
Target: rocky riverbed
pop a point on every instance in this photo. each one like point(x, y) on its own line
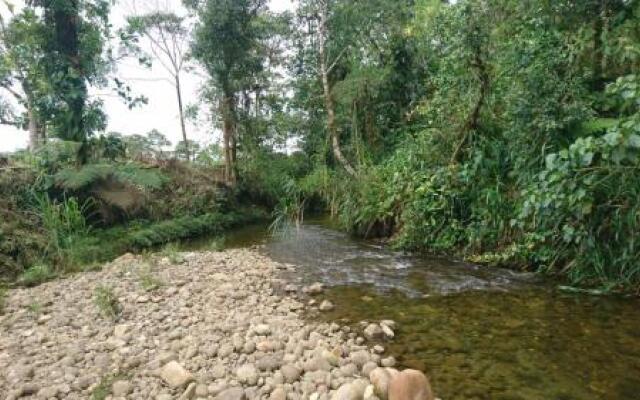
point(206, 325)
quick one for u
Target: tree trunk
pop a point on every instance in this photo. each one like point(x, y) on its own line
point(472, 122)
point(182, 123)
point(73, 90)
point(227, 139)
point(328, 96)
point(36, 132)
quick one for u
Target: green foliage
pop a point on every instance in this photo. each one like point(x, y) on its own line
point(584, 206)
point(509, 152)
point(107, 244)
point(131, 174)
point(23, 241)
point(36, 275)
point(107, 302)
point(64, 221)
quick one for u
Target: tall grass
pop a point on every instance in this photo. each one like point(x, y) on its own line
point(64, 221)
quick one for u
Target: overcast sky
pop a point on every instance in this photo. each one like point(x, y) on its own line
point(161, 111)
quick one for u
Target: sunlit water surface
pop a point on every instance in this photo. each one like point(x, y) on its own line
point(478, 332)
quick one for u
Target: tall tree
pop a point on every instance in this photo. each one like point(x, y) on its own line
point(226, 39)
point(21, 61)
point(325, 70)
point(168, 36)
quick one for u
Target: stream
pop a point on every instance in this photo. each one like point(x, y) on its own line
point(478, 332)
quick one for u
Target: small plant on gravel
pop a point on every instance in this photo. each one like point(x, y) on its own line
point(107, 302)
point(103, 389)
point(148, 281)
point(217, 244)
point(172, 252)
point(36, 275)
point(3, 295)
point(35, 308)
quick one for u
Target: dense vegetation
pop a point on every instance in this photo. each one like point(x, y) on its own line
point(504, 131)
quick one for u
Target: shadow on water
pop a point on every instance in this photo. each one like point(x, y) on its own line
point(479, 333)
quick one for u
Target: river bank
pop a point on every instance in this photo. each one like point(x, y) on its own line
point(206, 325)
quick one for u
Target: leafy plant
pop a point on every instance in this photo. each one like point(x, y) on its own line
point(107, 302)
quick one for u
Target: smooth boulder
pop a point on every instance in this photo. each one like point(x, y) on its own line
point(410, 384)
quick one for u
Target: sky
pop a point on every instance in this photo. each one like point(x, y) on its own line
point(161, 112)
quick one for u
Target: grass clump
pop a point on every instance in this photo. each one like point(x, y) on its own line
point(103, 389)
point(172, 252)
point(105, 299)
point(36, 275)
point(35, 308)
point(3, 296)
point(148, 281)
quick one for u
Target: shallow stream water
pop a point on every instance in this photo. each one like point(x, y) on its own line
point(478, 332)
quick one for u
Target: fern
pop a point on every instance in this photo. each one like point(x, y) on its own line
point(131, 174)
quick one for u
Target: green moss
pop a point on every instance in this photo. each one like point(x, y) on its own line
point(104, 245)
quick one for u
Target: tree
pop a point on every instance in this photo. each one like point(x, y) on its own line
point(225, 43)
point(325, 70)
point(168, 37)
point(184, 150)
point(21, 61)
point(158, 142)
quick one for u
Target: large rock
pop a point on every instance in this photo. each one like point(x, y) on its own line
point(234, 393)
point(351, 391)
point(326, 306)
point(278, 394)
point(360, 357)
point(121, 388)
point(290, 372)
point(317, 364)
point(262, 330)
point(373, 332)
point(314, 289)
point(175, 375)
point(247, 374)
point(410, 384)
point(388, 332)
point(380, 379)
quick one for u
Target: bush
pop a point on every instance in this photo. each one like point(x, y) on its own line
point(584, 208)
